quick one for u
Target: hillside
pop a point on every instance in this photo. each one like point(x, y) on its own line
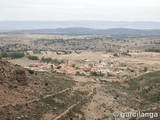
point(147, 87)
point(140, 94)
point(26, 95)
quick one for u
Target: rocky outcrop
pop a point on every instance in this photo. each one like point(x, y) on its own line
point(11, 73)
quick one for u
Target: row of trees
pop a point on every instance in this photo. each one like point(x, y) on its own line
point(50, 60)
point(33, 57)
point(17, 55)
point(12, 54)
point(152, 50)
point(21, 54)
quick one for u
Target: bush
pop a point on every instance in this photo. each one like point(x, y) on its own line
point(59, 67)
point(31, 71)
point(79, 74)
point(97, 74)
point(94, 73)
point(115, 54)
point(73, 65)
point(55, 61)
point(46, 84)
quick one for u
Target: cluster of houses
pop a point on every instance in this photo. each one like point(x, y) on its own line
point(85, 67)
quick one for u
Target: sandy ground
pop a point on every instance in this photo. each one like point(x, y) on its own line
point(146, 58)
point(93, 56)
point(24, 62)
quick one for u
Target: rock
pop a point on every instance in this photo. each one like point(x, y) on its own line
point(18, 118)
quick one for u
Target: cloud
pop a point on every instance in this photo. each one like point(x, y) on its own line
point(120, 2)
point(80, 9)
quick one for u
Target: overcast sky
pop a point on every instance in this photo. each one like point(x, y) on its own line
point(102, 10)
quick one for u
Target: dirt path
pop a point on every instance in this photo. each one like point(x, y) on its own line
point(37, 99)
point(66, 111)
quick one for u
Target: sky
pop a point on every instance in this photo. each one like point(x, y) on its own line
point(60, 10)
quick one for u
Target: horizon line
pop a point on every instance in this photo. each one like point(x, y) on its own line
point(71, 20)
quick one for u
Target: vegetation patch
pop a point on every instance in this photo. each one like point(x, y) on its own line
point(50, 60)
point(147, 86)
point(33, 57)
point(152, 50)
point(12, 54)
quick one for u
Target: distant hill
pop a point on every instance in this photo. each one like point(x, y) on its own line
point(89, 31)
point(24, 25)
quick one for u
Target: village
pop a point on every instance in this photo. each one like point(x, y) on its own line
point(111, 69)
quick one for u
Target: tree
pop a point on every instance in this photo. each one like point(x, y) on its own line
point(145, 69)
point(4, 54)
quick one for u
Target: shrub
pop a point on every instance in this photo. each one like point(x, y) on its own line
point(115, 54)
point(73, 65)
point(46, 84)
point(97, 74)
point(31, 71)
point(79, 74)
point(59, 67)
